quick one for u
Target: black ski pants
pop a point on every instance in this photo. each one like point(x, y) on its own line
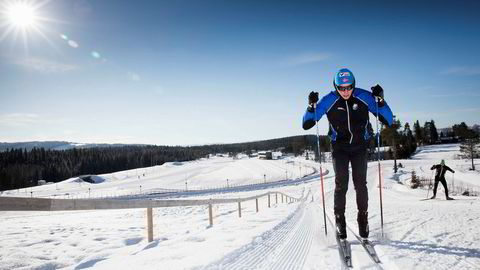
point(342, 155)
point(444, 183)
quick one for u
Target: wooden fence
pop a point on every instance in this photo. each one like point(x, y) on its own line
point(46, 204)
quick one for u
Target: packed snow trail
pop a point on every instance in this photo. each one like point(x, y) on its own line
point(283, 247)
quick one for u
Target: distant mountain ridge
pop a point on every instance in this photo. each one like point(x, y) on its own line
point(55, 145)
point(236, 147)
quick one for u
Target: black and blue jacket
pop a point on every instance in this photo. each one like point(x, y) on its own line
point(348, 119)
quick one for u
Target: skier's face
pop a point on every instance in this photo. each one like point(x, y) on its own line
point(345, 90)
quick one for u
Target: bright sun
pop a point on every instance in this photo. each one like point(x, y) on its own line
point(21, 19)
point(21, 14)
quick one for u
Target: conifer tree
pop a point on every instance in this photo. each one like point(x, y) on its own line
point(433, 132)
point(418, 132)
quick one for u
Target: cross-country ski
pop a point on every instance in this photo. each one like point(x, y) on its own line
point(345, 251)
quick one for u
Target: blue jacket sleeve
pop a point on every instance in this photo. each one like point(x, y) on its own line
point(385, 114)
point(311, 117)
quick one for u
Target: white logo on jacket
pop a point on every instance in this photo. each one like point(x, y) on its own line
point(355, 106)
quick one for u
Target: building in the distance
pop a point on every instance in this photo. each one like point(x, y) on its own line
point(265, 155)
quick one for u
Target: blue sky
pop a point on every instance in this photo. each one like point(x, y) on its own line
point(200, 72)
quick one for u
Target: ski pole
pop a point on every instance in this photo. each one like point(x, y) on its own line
point(453, 183)
point(430, 184)
point(321, 172)
point(379, 168)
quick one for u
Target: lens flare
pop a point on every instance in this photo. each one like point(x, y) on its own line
point(73, 43)
point(95, 55)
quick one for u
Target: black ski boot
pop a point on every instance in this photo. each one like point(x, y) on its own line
point(362, 219)
point(341, 226)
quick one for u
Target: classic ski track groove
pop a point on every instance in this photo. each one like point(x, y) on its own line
point(287, 239)
point(251, 258)
point(294, 254)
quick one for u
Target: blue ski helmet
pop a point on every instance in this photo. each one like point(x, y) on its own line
point(344, 76)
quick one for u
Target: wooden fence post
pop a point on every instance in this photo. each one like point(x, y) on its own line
point(276, 198)
point(239, 209)
point(256, 203)
point(210, 214)
point(268, 200)
point(149, 224)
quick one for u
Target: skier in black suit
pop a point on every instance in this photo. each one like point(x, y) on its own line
point(440, 177)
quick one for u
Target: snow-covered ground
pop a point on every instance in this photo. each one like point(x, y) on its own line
point(430, 234)
point(214, 172)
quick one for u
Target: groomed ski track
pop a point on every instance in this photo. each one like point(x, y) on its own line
point(283, 247)
point(287, 246)
point(299, 241)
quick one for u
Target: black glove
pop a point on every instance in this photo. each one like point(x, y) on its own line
point(312, 98)
point(377, 91)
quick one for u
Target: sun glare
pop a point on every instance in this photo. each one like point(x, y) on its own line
point(21, 14)
point(23, 19)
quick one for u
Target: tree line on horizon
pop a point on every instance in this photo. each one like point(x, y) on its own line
point(20, 168)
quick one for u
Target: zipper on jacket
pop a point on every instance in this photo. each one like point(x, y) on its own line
point(348, 118)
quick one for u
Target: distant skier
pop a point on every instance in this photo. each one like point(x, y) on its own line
point(440, 177)
point(347, 110)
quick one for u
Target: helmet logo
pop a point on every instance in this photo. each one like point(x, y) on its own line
point(345, 80)
point(343, 74)
point(355, 106)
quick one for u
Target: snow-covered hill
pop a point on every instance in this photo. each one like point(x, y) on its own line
point(205, 173)
point(417, 234)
